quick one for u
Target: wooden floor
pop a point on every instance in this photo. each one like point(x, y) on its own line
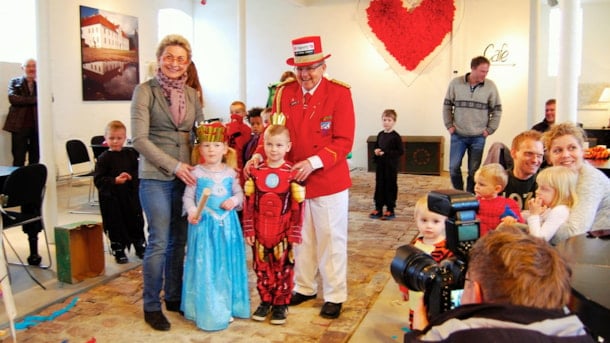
point(109, 307)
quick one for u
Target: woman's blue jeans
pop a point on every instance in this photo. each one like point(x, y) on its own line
point(167, 232)
point(459, 146)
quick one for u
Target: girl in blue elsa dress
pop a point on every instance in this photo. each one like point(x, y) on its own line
point(215, 287)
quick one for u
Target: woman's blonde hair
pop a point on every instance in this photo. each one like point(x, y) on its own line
point(563, 129)
point(174, 40)
point(563, 181)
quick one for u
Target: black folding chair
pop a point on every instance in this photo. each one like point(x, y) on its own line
point(80, 166)
point(24, 189)
point(97, 146)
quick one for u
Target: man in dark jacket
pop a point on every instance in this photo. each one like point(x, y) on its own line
point(22, 119)
point(549, 117)
point(516, 289)
point(22, 123)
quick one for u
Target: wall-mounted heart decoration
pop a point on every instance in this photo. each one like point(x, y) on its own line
point(412, 33)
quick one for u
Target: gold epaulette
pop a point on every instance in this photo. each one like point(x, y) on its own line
point(285, 82)
point(340, 83)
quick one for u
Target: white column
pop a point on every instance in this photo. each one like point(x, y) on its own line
point(45, 116)
point(242, 48)
point(570, 54)
point(535, 64)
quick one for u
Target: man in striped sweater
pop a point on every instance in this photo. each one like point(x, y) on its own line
point(471, 112)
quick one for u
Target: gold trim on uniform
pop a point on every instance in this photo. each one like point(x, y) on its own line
point(340, 83)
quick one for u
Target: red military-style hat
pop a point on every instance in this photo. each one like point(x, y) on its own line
point(307, 51)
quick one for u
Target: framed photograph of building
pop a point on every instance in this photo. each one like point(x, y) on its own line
point(109, 51)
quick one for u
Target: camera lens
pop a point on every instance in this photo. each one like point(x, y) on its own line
point(413, 268)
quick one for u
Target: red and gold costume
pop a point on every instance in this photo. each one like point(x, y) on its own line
point(273, 215)
point(238, 133)
point(321, 131)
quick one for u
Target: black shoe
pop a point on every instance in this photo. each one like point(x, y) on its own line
point(298, 298)
point(331, 310)
point(262, 312)
point(376, 214)
point(173, 306)
point(157, 320)
point(120, 257)
point(34, 260)
point(388, 215)
point(140, 251)
point(278, 315)
point(139, 248)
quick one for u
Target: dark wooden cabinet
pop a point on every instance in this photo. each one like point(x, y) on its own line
point(423, 155)
point(598, 137)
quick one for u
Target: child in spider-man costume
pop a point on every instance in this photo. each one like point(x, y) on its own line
point(272, 224)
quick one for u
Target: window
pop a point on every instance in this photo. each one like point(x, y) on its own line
point(20, 44)
point(175, 21)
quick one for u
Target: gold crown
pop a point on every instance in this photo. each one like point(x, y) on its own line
point(278, 119)
point(211, 132)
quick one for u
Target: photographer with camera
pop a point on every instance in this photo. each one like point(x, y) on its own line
point(516, 289)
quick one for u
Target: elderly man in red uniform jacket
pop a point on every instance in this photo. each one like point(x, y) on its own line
point(320, 116)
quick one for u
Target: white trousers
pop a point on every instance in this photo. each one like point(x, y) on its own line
point(324, 247)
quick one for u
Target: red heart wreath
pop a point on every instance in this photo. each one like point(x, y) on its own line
point(410, 35)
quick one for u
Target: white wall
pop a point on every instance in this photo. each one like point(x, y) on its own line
point(595, 69)
point(596, 65)
point(376, 84)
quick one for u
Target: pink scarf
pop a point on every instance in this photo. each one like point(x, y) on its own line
point(173, 90)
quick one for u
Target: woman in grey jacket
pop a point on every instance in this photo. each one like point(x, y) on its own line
point(163, 113)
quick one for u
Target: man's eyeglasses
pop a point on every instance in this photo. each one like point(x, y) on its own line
point(308, 69)
point(172, 59)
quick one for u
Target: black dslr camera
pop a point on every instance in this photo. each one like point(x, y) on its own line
point(442, 283)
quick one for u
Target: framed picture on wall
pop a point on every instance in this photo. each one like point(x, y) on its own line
point(109, 52)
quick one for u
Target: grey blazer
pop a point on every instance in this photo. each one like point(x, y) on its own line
point(161, 144)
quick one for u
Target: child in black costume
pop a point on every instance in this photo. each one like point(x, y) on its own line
point(116, 178)
point(388, 150)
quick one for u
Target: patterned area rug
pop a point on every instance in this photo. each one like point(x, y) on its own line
point(113, 312)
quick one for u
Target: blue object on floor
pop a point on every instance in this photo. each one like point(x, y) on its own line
point(30, 321)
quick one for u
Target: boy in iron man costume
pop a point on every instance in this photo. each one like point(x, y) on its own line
point(272, 223)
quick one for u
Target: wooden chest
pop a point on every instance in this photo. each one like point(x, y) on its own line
point(423, 155)
point(79, 251)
